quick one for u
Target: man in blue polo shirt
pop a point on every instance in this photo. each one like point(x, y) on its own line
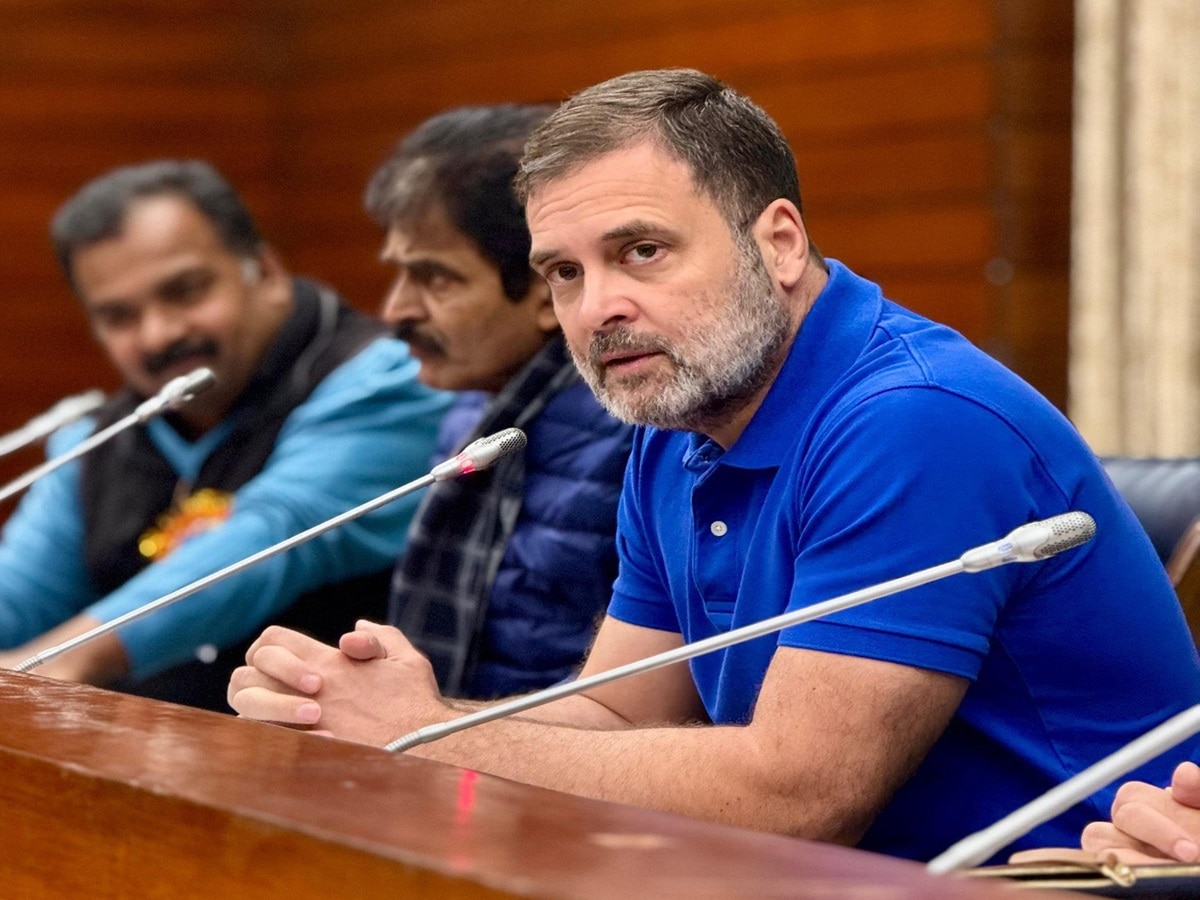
point(802, 437)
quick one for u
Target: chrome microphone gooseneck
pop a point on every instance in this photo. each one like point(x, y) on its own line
point(64, 412)
point(1029, 543)
point(475, 457)
point(173, 395)
point(980, 846)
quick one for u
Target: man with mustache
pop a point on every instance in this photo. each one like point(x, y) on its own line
point(314, 411)
point(800, 437)
point(506, 573)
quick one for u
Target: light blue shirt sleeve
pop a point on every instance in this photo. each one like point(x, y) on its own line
point(368, 428)
point(42, 577)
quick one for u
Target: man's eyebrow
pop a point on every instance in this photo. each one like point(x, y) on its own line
point(636, 228)
point(414, 260)
point(104, 307)
point(185, 275)
point(423, 267)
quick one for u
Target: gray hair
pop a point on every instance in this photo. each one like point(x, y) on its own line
point(737, 155)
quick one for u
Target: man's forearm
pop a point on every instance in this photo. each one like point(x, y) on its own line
point(579, 711)
point(101, 661)
point(705, 771)
point(818, 761)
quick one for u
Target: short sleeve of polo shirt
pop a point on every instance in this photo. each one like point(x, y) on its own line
point(902, 481)
point(641, 595)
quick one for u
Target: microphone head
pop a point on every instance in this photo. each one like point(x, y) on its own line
point(76, 406)
point(66, 411)
point(488, 449)
point(1033, 542)
point(1066, 531)
point(176, 392)
point(481, 454)
point(179, 391)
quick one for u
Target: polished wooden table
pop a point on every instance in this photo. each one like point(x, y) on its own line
point(106, 795)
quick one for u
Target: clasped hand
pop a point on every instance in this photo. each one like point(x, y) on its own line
point(1150, 824)
point(371, 688)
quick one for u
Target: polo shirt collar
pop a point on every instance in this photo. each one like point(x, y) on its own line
point(832, 337)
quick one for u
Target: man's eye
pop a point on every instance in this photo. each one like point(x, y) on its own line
point(114, 318)
point(562, 273)
point(642, 252)
point(435, 279)
point(184, 289)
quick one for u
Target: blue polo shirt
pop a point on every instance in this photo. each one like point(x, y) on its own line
point(888, 444)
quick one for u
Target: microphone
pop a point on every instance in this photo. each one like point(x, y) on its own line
point(480, 454)
point(980, 846)
point(1032, 542)
point(1029, 543)
point(64, 412)
point(173, 394)
point(476, 457)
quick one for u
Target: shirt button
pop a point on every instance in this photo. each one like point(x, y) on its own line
point(718, 528)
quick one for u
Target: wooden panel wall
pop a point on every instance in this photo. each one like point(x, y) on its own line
point(932, 135)
point(85, 86)
point(1032, 192)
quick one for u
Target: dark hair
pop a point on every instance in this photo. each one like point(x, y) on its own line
point(465, 159)
point(98, 209)
point(736, 153)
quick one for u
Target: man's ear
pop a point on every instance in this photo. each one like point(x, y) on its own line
point(783, 240)
point(273, 280)
point(543, 304)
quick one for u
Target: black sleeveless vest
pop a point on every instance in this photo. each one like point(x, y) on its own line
point(126, 485)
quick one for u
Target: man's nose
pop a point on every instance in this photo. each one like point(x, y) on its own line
point(403, 302)
point(160, 327)
point(606, 301)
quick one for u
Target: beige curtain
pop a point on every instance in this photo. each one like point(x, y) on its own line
point(1135, 270)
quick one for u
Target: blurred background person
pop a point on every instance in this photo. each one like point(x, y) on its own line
point(314, 411)
point(507, 572)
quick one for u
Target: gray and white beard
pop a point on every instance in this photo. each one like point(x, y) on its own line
point(715, 369)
